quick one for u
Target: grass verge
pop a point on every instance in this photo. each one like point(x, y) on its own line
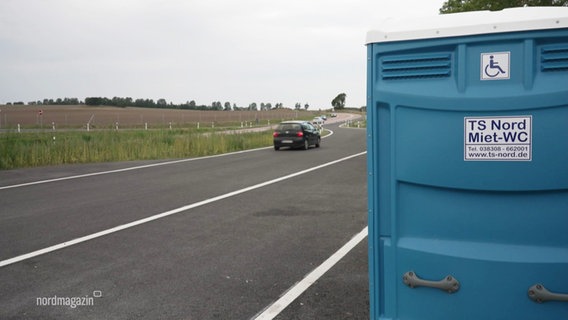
point(19, 150)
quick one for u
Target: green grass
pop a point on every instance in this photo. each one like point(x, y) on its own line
point(18, 150)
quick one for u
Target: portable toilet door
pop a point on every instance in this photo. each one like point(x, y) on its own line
point(468, 166)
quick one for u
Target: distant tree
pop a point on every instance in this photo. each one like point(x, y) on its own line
point(339, 101)
point(268, 106)
point(216, 105)
point(90, 101)
point(69, 101)
point(144, 103)
point(298, 106)
point(162, 103)
point(253, 106)
point(453, 6)
point(227, 106)
point(306, 106)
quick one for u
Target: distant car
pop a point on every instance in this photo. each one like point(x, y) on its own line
point(333, 115)
point(296, 134)
point(324, 117)
point(318, 121)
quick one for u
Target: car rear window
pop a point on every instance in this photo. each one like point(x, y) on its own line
point(289, 126)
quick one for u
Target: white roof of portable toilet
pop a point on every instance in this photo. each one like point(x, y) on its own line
point(470, 23)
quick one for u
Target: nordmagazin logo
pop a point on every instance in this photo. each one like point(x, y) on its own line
point(66, 301)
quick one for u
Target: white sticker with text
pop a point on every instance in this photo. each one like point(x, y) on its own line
point(498, 138)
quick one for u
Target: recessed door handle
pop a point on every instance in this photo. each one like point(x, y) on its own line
point(538, 293)
point(449, 284)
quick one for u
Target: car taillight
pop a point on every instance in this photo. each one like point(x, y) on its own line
point(275, 134)
point(300, 134)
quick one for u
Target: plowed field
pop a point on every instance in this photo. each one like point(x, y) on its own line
point(102, 117)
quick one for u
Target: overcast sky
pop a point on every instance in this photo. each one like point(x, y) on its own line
point(241, 51)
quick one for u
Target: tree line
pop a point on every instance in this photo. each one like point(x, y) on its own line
point(160, 103)
point(337, 103)
point(58, 101)
point(189, 105)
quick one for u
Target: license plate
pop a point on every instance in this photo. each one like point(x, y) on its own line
point(286, 141)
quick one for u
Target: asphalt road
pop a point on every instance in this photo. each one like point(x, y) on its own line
point(236, 233)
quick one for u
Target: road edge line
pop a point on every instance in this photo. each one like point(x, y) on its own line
point(275, 308)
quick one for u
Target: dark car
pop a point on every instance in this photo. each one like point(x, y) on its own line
point(296, 134)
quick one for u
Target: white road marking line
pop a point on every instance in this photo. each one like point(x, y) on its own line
point(167, 213)
point(125, 169)
point(295, 291)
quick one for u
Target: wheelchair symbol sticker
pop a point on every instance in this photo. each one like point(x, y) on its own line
point(495, 65)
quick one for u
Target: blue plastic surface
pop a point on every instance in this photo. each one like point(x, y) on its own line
point(497, 223)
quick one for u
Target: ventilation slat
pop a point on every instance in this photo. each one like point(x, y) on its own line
point(418, 66)
point(416, 74)
point(421, 65)
point(554, 58)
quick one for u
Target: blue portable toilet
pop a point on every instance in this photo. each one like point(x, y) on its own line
point(467, 141)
